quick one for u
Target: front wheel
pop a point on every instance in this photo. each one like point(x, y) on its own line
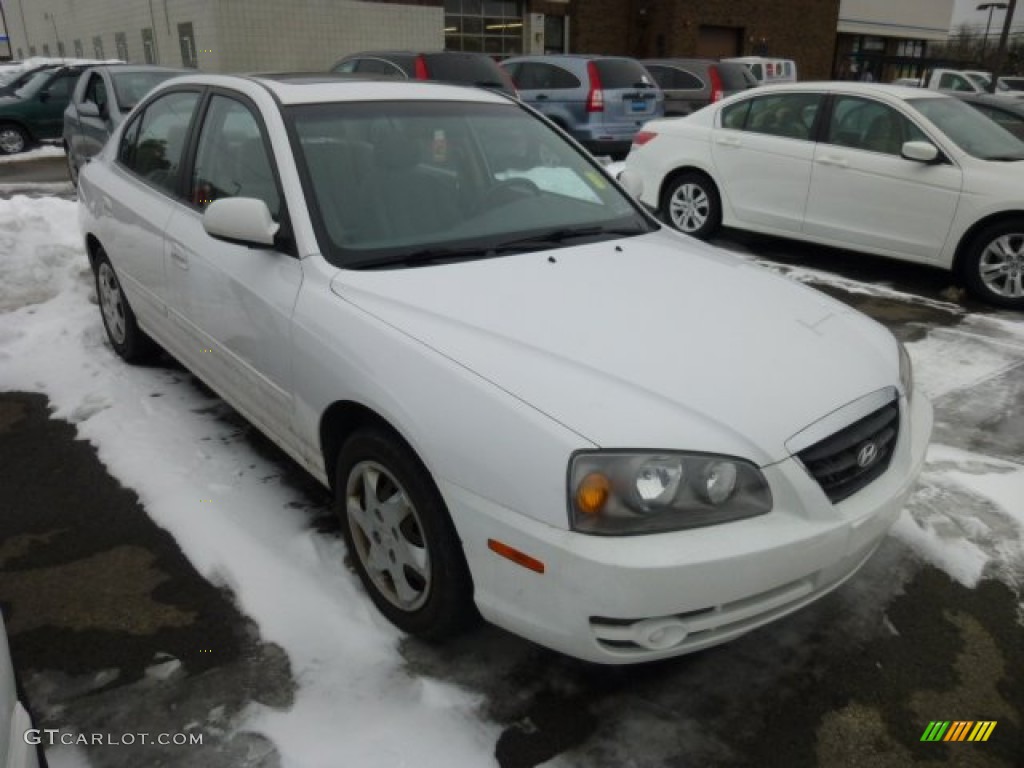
point(400, 537)
point(690, 203)
point(994, 264)
point(13, 139)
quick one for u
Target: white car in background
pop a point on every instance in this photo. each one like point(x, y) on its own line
point(529, 398)
point(15, 751)
point(901, 172)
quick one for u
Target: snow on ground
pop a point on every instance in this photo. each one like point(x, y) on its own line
point(233, 518)
point(356, 703)
point(47, 150)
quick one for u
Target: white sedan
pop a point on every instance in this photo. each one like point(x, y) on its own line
point(16, 747)
point(529, 398)
point(901, 172)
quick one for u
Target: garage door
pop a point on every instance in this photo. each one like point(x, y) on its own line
point(718, 42)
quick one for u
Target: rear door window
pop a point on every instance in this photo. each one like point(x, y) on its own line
point(154, 143)
point(788, 115)
point(379, 67)
point(537, 76)
point(735, 77)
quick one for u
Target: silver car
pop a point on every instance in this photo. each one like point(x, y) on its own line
point(102, 98)
point(603, 101)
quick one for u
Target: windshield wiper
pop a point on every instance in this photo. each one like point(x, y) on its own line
point(559, 236)
point(423, 257)
point(1005, 158)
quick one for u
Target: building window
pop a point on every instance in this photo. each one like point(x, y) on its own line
point(97, 47)
point(60, 49)
point(31, 50)
point(20, 55)
point(187, 40)
point(489, 26)
point(46, 49)
point(122, 46)
point(148, 46)
point(79, 51)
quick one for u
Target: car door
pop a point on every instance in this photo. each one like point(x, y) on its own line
point(231, 305)
point(140, 198)
point(92, 130)
point(865, 195)
point(551, 90)
point(684, 91)
point(763, 149)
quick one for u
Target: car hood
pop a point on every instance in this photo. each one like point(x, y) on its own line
point(655, 341)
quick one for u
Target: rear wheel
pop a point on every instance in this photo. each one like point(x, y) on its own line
point(13, 139)
point(993, 267)
point(400, 537)
point(690, 203)
point(127, 339)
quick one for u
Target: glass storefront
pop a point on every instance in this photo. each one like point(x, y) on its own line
point(488, 26)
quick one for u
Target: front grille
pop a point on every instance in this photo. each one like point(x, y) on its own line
point(839, 462)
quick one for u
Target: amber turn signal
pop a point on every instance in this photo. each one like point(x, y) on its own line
point(592, 493)
point(517, 557)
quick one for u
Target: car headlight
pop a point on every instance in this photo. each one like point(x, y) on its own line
point(906, 372)
point(621, 493)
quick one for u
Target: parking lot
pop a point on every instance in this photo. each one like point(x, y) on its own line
point(119, 598)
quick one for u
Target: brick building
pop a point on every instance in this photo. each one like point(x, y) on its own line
point(262, 35)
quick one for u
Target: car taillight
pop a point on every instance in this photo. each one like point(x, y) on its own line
point(642, 137)
point(717, 91)
point(595, 98)
point(421, 68)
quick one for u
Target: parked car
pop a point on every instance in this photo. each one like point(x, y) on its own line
point(102, 97)
point(15, 751)
point(768, 71)
point(830, 163)
point(1010, 84)
point(521, 388)
point(959, 80)
point(35, 111)
point(1009, 113)
point(602, 101)
point(458, 67)
point(689, 84)
point(12, 81)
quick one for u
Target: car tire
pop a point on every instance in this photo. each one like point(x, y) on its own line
point(400, 537)
point(129, 341)
point(690, 203)
point(13, 139)
point(993, 267)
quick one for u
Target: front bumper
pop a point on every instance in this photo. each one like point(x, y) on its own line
point(621, 600)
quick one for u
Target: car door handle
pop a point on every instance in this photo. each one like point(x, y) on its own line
point(727, 141)
point(179, 258)
point(541, 97)
point(836, 162)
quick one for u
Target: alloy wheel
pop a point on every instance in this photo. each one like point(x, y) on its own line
point(1001, 266)
point(12, 140)
point(112, 303)
point(689, 207)
point(388, 536)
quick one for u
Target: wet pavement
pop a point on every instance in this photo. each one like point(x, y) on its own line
point(112, 629)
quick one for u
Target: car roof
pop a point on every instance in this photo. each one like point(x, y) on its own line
point(902, 92)
point(1010, 104)
point(323, 87)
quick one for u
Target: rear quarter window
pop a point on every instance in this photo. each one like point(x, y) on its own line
point(621, 73)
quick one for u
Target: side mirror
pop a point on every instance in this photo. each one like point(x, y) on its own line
point(920, 151)
point(241, 220)
point(632, 183)
point(88, 109)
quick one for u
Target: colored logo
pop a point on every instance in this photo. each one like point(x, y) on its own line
point(958, 730)
point(867, 454)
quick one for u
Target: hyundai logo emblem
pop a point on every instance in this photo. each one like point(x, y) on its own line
point(867, 454)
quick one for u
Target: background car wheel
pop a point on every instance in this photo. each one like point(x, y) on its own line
point(994, 265)
point(690, 203)
point(127, 339)
point(400, 538)
point(13, 139)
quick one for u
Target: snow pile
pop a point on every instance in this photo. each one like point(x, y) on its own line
point(232, 515)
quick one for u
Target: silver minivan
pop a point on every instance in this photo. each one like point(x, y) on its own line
point(601, 100)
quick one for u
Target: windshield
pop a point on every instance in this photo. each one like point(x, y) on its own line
point(979, 79)
point(33, 84)
point(130, 87)
point(419, 182)
point(970, 130)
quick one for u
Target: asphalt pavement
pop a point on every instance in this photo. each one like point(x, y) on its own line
point(112, 629)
